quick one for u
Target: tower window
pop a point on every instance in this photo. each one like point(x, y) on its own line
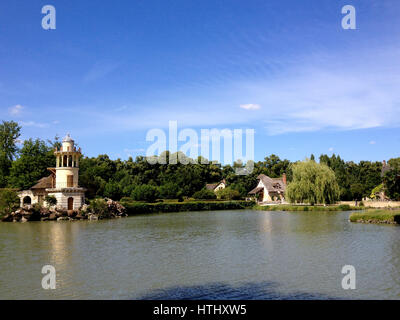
point(70, 181)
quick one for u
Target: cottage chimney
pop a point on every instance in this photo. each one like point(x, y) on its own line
point(284, 178)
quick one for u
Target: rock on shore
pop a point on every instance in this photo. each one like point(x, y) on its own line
point(37, 213)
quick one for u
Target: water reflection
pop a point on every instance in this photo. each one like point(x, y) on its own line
point(221, 291)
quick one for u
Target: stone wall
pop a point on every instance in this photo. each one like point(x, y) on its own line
point(375, 204)
point(62, 199)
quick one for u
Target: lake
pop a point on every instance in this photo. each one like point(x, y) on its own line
point(242, 254)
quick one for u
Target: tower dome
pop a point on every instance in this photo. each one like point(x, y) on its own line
point(68, 138)
point(68, 143)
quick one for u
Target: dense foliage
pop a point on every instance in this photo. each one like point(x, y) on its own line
point(21, 167)
point(228, 194)
point(312, 183)
point(9, 134)
point(205, 194)
point(8, 201)
point(134, 207)
point(392, 184)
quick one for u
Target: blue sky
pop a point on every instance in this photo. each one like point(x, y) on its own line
point(112, 70)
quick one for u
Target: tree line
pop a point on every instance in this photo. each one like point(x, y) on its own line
point(21, 166)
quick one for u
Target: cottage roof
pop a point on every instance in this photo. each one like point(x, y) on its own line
point(271, 184)
point(212, 186)
point(256, 190)
point(44, 183)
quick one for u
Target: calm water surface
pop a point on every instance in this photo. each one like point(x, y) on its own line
point(201, 255)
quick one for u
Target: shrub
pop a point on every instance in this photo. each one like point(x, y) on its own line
point(51, 200)
point(145, 193)
point(169, 190)
point(205, 194)
point(228, 194)
point(113, 191)
point(344, 207)
point(99, 207)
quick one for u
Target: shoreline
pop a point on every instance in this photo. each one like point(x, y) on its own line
point(376, 217)
point(127, 207)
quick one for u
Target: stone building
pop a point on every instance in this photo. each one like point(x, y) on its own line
point(62, 183)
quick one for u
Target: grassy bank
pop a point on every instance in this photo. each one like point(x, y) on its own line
point(288, 207)
point(134, 208)
point(377, 216)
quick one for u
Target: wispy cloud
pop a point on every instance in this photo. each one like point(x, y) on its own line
point(372, 142)
point(34, 124)
point(316, 95)
point(16, 110)
point(100, 70)
point(250, 106)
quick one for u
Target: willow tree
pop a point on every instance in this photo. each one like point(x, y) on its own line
point(312, 183)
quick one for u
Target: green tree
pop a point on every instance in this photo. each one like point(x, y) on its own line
point(145, 193)
point(228, 194)
point(205, 194)
point(170, 190)
point(357, 191)
point(113, 191)
point(312, 183)
point(35, 157)
point(392, 184)
point(9, 201)
point(378, 189)
point(9, 134)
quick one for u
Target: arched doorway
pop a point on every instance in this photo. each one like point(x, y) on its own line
point(27, 201)
point(71, 203)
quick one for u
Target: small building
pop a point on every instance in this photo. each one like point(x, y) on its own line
point(216, 186)
point(269, 189)
point(62, 183)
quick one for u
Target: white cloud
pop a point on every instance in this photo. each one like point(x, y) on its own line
point(250, 106)
point(372, 142)
point(330, 149)
point(321, 94)
point(16, 110)
point(34, 124)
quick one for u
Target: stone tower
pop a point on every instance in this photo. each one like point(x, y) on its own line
point(66, 190)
